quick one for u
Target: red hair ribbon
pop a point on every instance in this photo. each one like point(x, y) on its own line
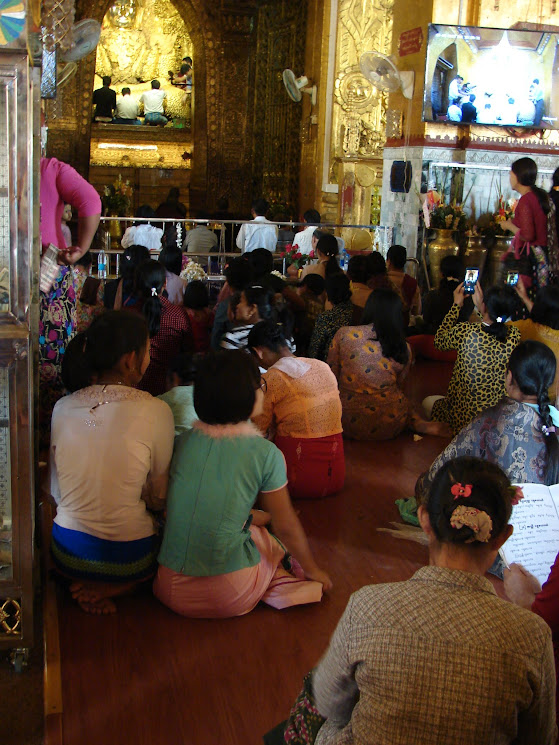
point(460, 491)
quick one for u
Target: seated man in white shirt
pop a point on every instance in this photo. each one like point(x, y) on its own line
point(260, 232)
point(454, 112)
point(126, 109)
point(200, 239)
point(303, 239)
point(153, 101)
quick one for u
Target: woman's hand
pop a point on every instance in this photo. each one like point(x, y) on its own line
point(523, 294)
point(521, 587)
point(260, 518)
point(509, 225)
point(318, 575)
point(478, 297)
point(459, 295)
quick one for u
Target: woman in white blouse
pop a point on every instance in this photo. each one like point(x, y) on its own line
point(111, 447)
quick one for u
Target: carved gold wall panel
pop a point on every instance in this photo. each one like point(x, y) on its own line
point(359, 114)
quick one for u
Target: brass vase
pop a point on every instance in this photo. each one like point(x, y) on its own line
point(115, 231)
point(475, 252)
point(442, 245)
point(496, 268)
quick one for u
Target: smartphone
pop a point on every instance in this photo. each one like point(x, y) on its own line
point(472, 273)
point(512, 278)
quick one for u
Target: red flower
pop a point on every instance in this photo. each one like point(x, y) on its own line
point(282, 255)
point(298, 255)
point(461, 492)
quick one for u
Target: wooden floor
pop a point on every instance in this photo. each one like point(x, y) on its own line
point(149, 677)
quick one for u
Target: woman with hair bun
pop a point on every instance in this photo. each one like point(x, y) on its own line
point(483, 350)
point(301, 413)
point(217, 558)
point(169, 328)
point(439, 658)
point(518, 433)
point(111, 447)
point(534, 215)
point(326, 251)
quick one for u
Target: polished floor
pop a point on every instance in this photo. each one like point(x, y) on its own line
point(149, 677)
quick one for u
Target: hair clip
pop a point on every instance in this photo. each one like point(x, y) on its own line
point(548, 430)
point(153, 291)
point(501, 319)
point(461, 492)
point(257, 287)
point(516, 494)
point(128, 258)
point(478, 521)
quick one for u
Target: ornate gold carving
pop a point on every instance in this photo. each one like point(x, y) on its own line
point(10, 617)
point(359, 110)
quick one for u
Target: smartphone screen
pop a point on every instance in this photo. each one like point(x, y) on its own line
point(470, 280)
point(512, 278)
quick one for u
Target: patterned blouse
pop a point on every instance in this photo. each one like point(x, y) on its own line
point(478, 378)
point(326, 326)
point(508, 434)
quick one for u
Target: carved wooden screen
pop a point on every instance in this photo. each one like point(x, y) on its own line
point(277, 119)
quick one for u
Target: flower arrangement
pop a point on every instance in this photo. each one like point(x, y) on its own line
point(504, 211)
point(278, 274)
point(444, 216)
point(117, 197)
point(193, 271)
point(294, 257)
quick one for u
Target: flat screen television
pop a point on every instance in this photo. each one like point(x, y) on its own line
point(492, 77)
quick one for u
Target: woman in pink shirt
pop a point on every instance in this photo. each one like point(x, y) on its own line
point(60, 185)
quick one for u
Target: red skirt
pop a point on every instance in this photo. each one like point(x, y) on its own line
point(315, 466)
point(423, 346)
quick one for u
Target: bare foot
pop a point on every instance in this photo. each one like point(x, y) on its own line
point(101, 607)
point(94, 597)
point(425, 427)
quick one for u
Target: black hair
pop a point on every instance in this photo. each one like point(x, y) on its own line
point(146, 211)
point(315, 283)
point(149, 282)
point(196, 295)
point(338, 288)
point(318, 233)
point(261, 261)
point(106, 80)
point(490, 493)
point(533, 367)
point(501, 303)
point(171, 258)
point(187, 60)
point(556, 177)
point(235, 375)
point(328, 246)
point(397, 255)
point(262, 297)
point(546, 307)
point(472, 98)
point(383, 309)
point(184, 68)
point(174, 194)
point(357, 269)
point(238, 273)
point(375, 264)
point(266, 334)
point(451, 266)
point(526, 171)
point(312, 217)
point(131, 259)
point(155, 84)
point(260, 206)
point(184, 366)
point(125, 91)
point(91, 353)
point(85, 260)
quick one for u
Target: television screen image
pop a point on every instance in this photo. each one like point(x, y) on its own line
point(492, 77)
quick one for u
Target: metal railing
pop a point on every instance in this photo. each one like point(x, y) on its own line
point(226, 230)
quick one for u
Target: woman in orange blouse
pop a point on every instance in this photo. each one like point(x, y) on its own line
point(302, 414)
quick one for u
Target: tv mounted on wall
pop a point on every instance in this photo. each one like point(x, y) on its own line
point(492, 77)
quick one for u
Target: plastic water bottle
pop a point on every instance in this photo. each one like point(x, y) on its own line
point(49, 268)
point(102, 265)
point(344, 259)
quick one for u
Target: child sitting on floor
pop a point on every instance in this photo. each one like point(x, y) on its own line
point(180, 392)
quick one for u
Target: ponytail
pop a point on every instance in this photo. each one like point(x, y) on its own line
point(98, 350)
point(328, 246)
point(526, 171)
point(543, 199)
point(150, 280)
point(501, 303)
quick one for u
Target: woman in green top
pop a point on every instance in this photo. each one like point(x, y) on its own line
point(217, 558)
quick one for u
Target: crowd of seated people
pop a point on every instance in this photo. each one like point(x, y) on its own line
point(197, 426)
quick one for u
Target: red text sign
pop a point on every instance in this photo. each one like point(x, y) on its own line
point(410, 41)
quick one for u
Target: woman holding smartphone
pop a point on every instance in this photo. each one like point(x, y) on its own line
point(483, 351)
